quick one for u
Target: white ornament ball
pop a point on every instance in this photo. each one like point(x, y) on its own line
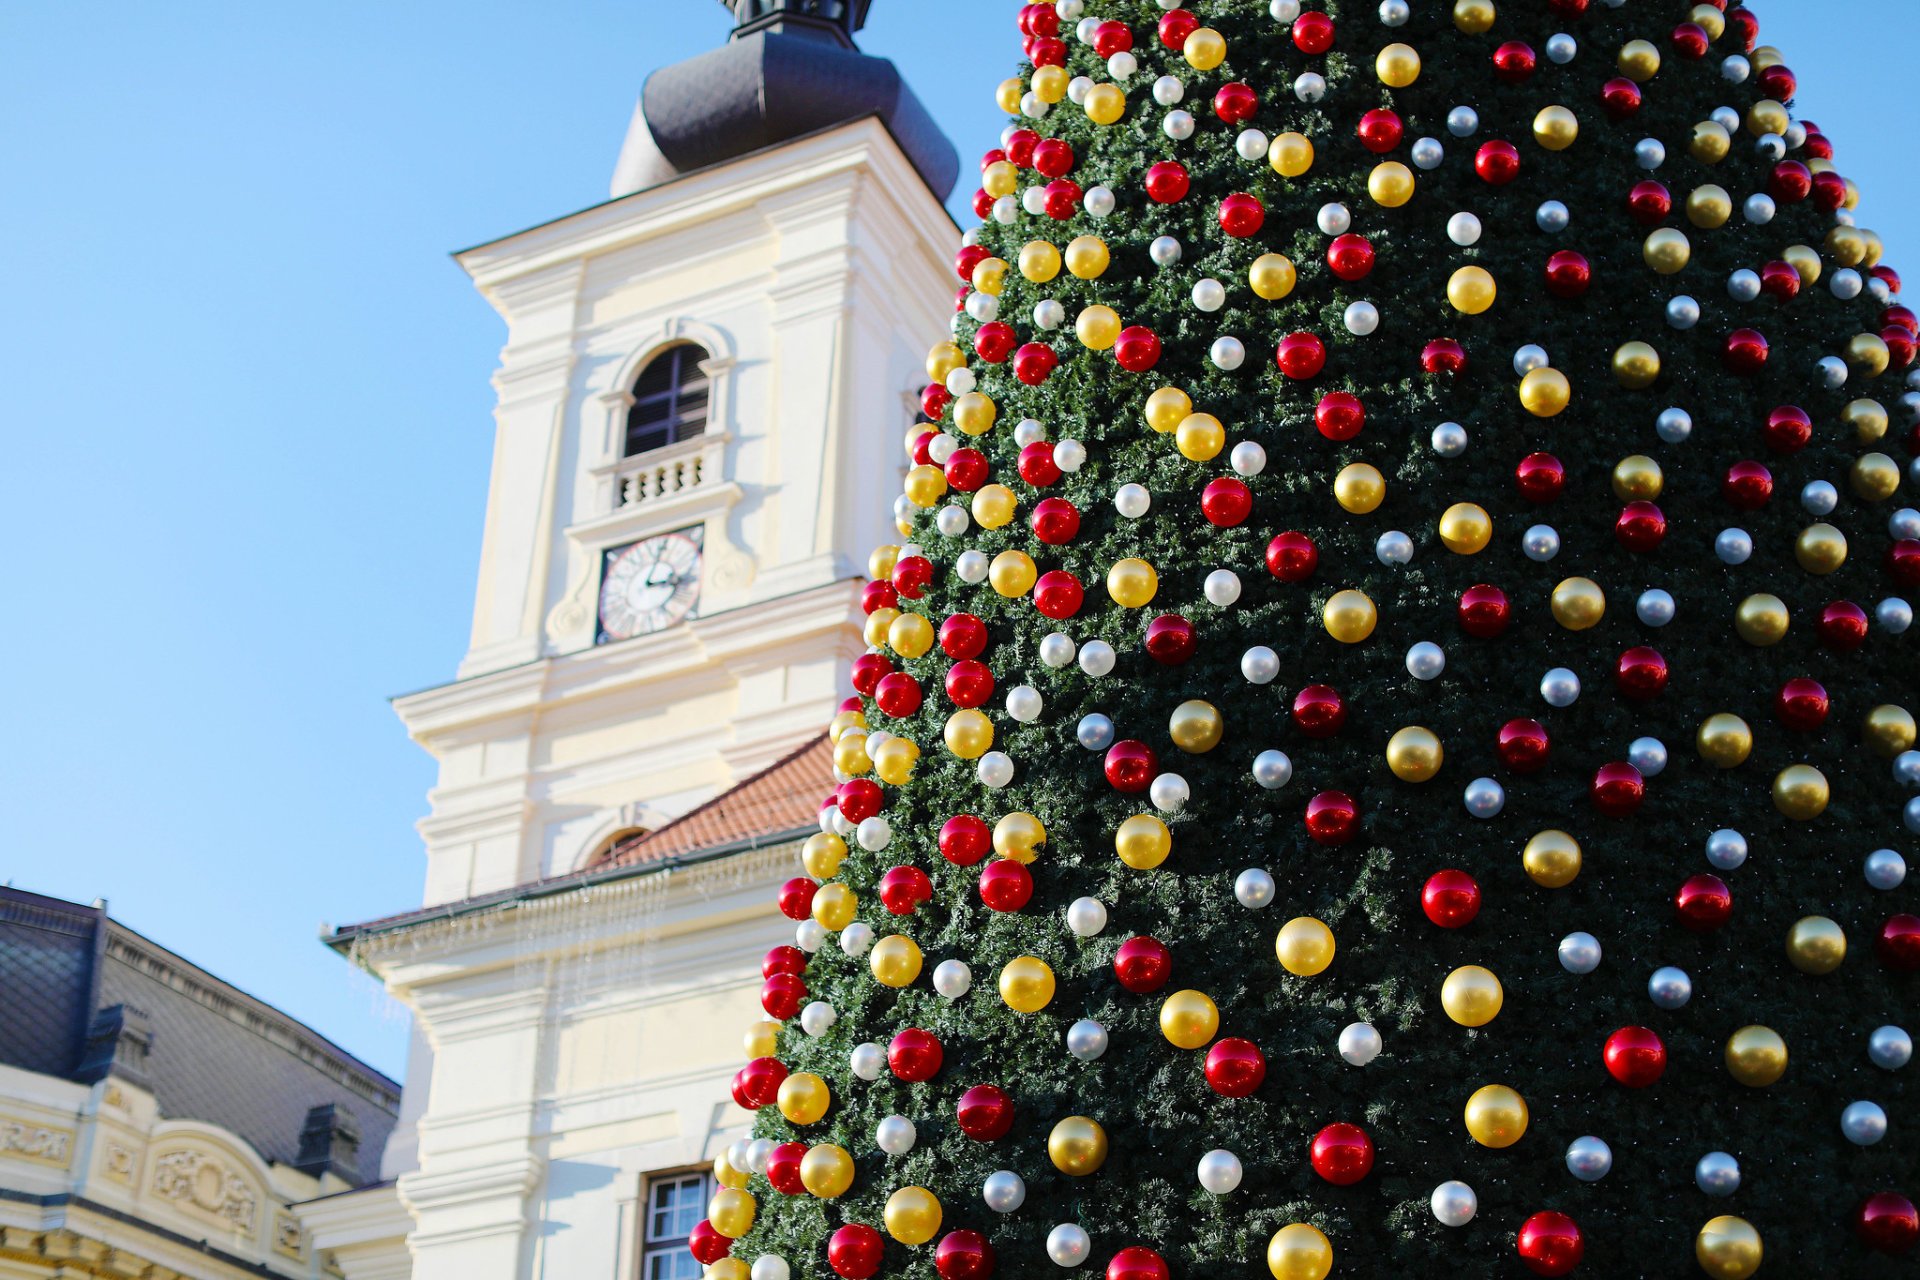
point(1227, 353)
point(1253, 888)
point(952, 979)
point(1132, 500)
point(1049, 314)
point(1333, 219)
point(1454, 1204)
point(810, 936)
point(1068, 1245)
point(1831, 371)
point(1310, 86)
point(982, 306)
point(1819, 497)
point(1528, 358)
point(952, 521)
point(1024, 703)
point(1648, 755)
point(1260, 665)
point(1122, 65)
point(1394, 13)
point(1889, 1048)
point(874, 833)
point(1034, 201)
point(1541, 542)
point(1673, 425)
point(1086, 917)
point(1743, 285)
point(1284, 11)
point(1733, 546)
point(1219, 1172)
point(770, 1266)
point(1649, 153)
point(1095, 732)
point(1561, 48)
point(1178, 125)
point(1169, 793)
point(1863, 1123)
point(1894, 616)
point(1165, 251)
point(1069, 455)
point(1579, 953)
point(1168, 90)
point(1462, 121)
point(1361, 318)
point(1463, 229)
point(972, 566)
point(1247, 458)
point(1427, 153)
point(1209, 294)
point(961, 380)
point(1004, 1191)
point(1726, 849)
point(1552, 216)
point(995, 770)
point(1683, 312)
point(1096, 658)
point(1426, 660)
point(856, 938)
point(1717, 1174)
point(1251, 144)
point(1885, 870)
point(1735, 68)
point(1086, 1040)
point(895, 1135)
point(1359, 1044)
point(1272, 769)
point(1222, 587)
point(1759, 209)
point(1057, 649)
point(867, 1060)
point(818, 1018)
point(1846, 284)
point(1669, 988)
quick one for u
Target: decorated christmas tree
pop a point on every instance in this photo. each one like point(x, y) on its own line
point(1382, 751)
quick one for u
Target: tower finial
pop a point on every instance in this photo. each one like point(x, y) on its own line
point(840, 18)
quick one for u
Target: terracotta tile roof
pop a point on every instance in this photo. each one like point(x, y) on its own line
point(782, 797)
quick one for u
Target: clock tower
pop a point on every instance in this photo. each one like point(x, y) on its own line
point(705, 383)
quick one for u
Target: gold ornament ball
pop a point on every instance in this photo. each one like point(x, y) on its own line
point(1390, 184)
point(822, 854)
point(1397, 65)
point(1709, 206)
point(1026, 984)
point(1867, 417)
point(1636, 365)
point(1756, 1056)
point(1039, 261)
point(1471, 995)
point(1473, 17)
point(1804, 261)
point(1867, 352)
point(1415, 754)
point(1466, 528)
point(1359, 488)
point(993, 505)
point(1087, 257)
point(943, 358)
point(1097, 327)
point(1578, 603)
point(1820, 548)
point(894, 759)
point(1143, 842)
point(903, 525)
point(1196, 726)
point(968, 734)
point(1305, 946)
point(910, 635)
point(1050, 84)
point(1761, 620)
point(1496, 1116)
point(727, 1176)
point(1816, 945)
point(1200, 437)
point(730, 1212)
point(1077, 1146)
point(1800, 792)
point(843, 721)
point(803, 1097)
point(826, 1171)
point(1709, 19)
point(990, 275)
point(1167, 408)
point(1017, 837)
point(1001, 178)
point(974, 413)
point(834, 906)
point(1639, 61)
point(1272, 276)
point(1471, 290)
point(1290, 154)
point(925, 485)
point(1724, 740)
point(850, 754)
point(1188, 1019)
point(1205, 49)
point(1555, 128)
point(1300, 1251)
point(895, 961)
point(762, 1039)
point(1876, 247)
point(1350, 616)
point(1710, 142)
point(1132, 582)
point(1889, 730)
point(880, 561)
point(728, 1268)
point(1764, 56)
point(1874, 477)
point(1667, 250)
point(875, 630)
point(1007, 95)
point(1551, 859)
point(1545, 391)
point(1012, 574)
point(912, 1215)
point(1638, 478)
point(1846, 246)
point(1728, 1248)
point(1107, 103)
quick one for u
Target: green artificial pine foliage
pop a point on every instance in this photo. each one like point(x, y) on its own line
point(1758, 239)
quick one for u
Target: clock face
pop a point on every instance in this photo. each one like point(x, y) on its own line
point(649, 585)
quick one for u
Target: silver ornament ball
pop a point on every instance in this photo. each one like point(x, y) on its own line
point(1165, 251)
point(1560, 687)
point(1654, 608)
point(1904, 523)
point(1733, 546)
point(1359, 1044)
point(1086, 1040)
point(1462, 121)
point(1272, 769)
point(895, 1135)
point(1683, 312)
point(1863, 1123)
point(1333, 219)
point(1726, 849)
point(1894, 616)
point(1528, 358)
point(1463, 229)
point(1449, 439)
point(1759, 209)
point(1579, 953)
point(1541, 542)
point(1454, 1204)
point(1086, 917)
point(1885, 869)
point(952, 979)
point(867, 1060)
point(1743, 285)
point(1831, 371)
point(1552, 216)
point(1589, 1158)
point(1227, 353)
point(1393, 547)
point(1426, 660)
point(1846, 284)
point(1311, 86)
point(1057, 649)
point(1427, 153)
point(1169, 793)
point(1669, 988)
point(1253, 888)
point(1209, 294)
point(1068, 1245)
point(1673, 425)
point(1260, 665)
point(1004, 1191)
point(1361, 318)
point(1717, 1174)
point(1394, 13)
point(1819, 497)
point(1222, 587)
point(1648, 755)
point(1095, 732)
point(1561, 48)
point(1485, 798)
point(1649, 153)
point(1889, 1048)
point(1220, 1172)
point(1906, 768)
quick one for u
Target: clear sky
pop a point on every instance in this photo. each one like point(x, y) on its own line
point(244, 398)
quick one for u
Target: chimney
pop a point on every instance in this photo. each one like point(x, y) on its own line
point(118, 1043)
point(330, 1143)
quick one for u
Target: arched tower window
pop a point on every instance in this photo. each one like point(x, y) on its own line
point(669, 400)
point(617, 846)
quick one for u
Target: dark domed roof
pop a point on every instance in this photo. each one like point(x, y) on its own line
point(789, 69)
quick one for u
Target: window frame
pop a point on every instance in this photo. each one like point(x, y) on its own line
point(671, 1247)
point(687, 375)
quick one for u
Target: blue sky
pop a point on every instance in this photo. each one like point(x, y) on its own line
point(248, 421)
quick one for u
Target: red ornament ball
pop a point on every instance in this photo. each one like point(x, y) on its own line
point(1790, 182)
point(1176, 26)
point(965, 839)
point(1497, 162)
point(1789, 428)
point(1617, 789)
point(1568, 274)
point(1641, 674)
point(869, 669)
point(1236, 103)
point(1006, 885)
point(1898, 946)
point(1112, 37)
point(969, 683)
point(1801, 704)
point(1779, 281)
point(760, 1081)
point(1514, 62)
point(1829, 191)
point(1649, 203)
point(1226, 502)
point(1142, 964)
point(1058, 594)
point(783, 994)
point(1137, 349)
point(963, 1255)
point(1342, 1154)
point(878, 594)
point(1131, 766)
point(1339, 415)
point(1748, 486)
point(1350, 257)
point(1777, 82)
point(904, 888)
point(784, 959)
point(706, 1244)
point(1443, 355)
point(1062, 199)
point(1313, 33)
point(1641, 527)
point(1170, 640)
point(1055, 521)
point(1167, 182)
point(967, 469)
point(1319, 711)
point(1332, 818)
point(1484, 611)
point(1053, 157)
point(985, 1113)
point(912, 575)
point(1745, 352)
point(1550, 1244)
point(855, 1250)
point(1380, 130)
point(1242, 215)
point(915, 1055)
point(963, 636)
point(969, 257)
point(1136, 1262)
point(783, 1168)
point(1619, 98)
point(1301, 356)
point(1292, 557)
point(1690, 41)
point(1450, 898)
point(1523, 746)
point(1034, 363)
point(1842, 626)
point(1635, 1057)
point(1703, 903)
point(1887, 1221)
point(1903, 562)
point(1036, 465)
point(994, 341)
point(1235, 1067)
point(898, 695)
point(1540, 477)
point(796, 898)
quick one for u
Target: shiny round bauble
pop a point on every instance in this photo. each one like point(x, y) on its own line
point(855, 1251)
point(1426, 660)
point(1332, 818)
point(1552, 859)
point(1885, 870)
point(1272, 769)
point(1003, 1191)
point(1466, 528)
point(1496, 1116)
point(1484, 611)
point(1579, 953)
point(1897, 947)
point(1290, 154)
point(1617, 789)
point(1097, 327)
point(1635, 1057)
point(1299, 1251)
point(1636, 365)
point(912, 1215)
point(1359, 1044)
point(1550, 1244)
point(1087, 1040)
point(1555, 128)
point(1305, 947)
point(963, 1255)
point(1568, 275)
point(1801, 792)
point(1761, 620)
point(1026, 984)
point(1220, 1172)
point(1339, 416)
point(1272, 276)
point(1887, 1222)
point(1589, 1158)
point(1463, 229)
point(1349, 257)
point(1414, 754)
point(985, 1113)
point(1641, 674)
point(1863, 1123)
point(1253, 888)
point(1472, 996)
point(1540, 477)
point(1545, 392)
point(1397, 65)
point(1888, 730)
point(1874, 477)
point(1142, 842)
point(1226, 502)
point(1349, 616)
point(1756, 1056)
point(1471, 290)
point(1497, 162)
point(895, 961)
point(1196, 726)
point(968, 734)
point(1189, 1019)
point(1820, 549)
point(1724, 740)
point(1703, 903)
point(825, 1171)
point(1578, 603)
point(1142, 965)
point(1077, 1146)
point(1359, 488)
point(1728, 1248)
point(803, 1097)
point(1006, 885)
point(1300, 356)
point(1453, 1204)
point(1132, 583)
point(1235, 1067)
point(1130, 766)
point(1450, 898)
point(1342, 1154)
point(1560, 687)
point(1637, 478)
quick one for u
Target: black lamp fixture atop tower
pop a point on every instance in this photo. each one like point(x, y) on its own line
point(839, 18)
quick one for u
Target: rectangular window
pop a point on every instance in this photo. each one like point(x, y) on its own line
point(675, 1203)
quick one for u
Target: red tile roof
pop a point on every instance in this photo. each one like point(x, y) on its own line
point(785, 796)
